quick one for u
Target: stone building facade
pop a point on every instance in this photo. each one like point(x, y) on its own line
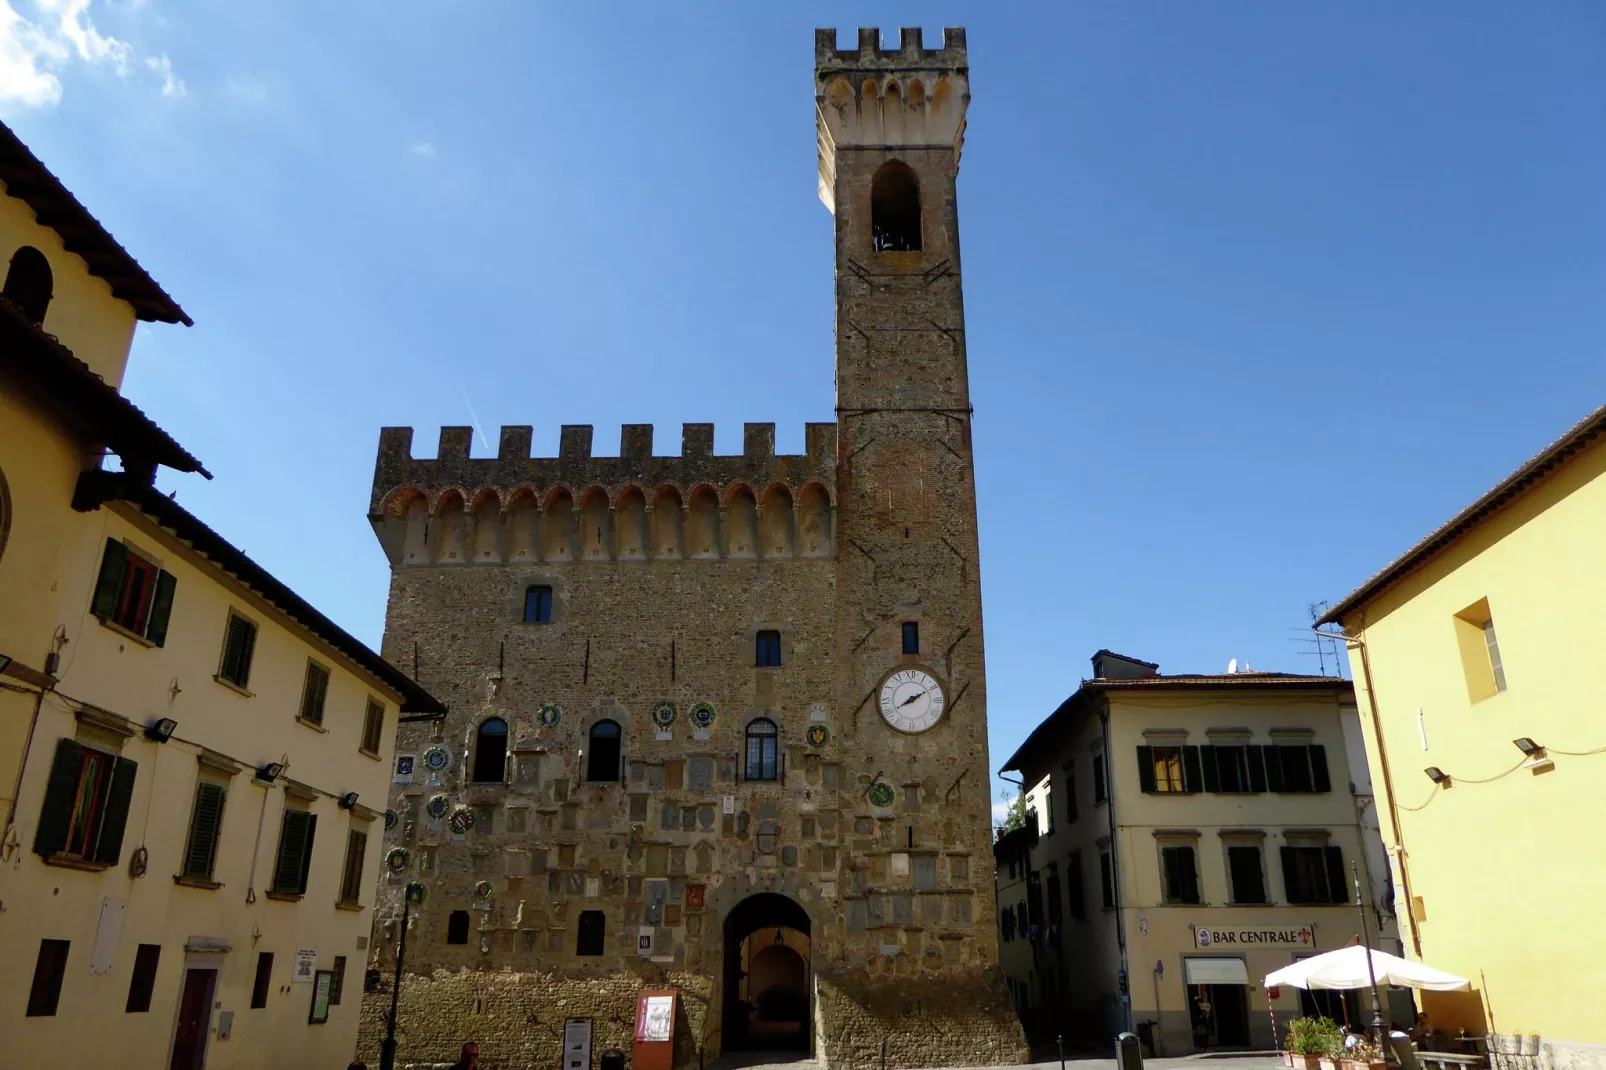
point(696, 698)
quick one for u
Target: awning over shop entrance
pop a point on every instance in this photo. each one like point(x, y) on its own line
point(1215, 971)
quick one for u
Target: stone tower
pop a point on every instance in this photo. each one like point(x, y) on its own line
point(717, 723)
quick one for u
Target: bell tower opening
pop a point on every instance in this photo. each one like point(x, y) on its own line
point(769, 980)
point(895, 209)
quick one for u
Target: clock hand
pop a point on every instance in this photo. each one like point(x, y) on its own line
point(911, 698)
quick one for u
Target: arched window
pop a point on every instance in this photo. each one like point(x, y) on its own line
point(602, 759)
point(763, 751)
point(29, 283)
point(895, 209)
point(490, 751)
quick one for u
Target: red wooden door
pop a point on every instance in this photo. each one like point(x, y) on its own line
point(194, 1019)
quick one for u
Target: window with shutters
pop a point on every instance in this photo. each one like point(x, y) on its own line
point(1160, 770)
point(1048, 807)
point(314, 690)
point(373, 728)
point(763, 754)
point(591, 933)
point(86, 805)
point(293, 859)
point(338, 982)
point(1295, 769)
point(1246, 875)
point(1073, 885)
point(206, 826)
point(1101, 784)
point(1226, 769)
point(538, 605)
point(239, 644)
point(1314, 874)
point(490, 751)
point(30, 284)
point(1070, 795)
point(1180, 871)
point(263, 982)
point(1107, 879)
point(351, 873)
point(133, 595)
point(457, 927)
point(143, 981)
point(49, 970)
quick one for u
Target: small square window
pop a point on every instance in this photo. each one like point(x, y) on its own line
point(911, 637)
point(538, 605)
point(768, 650)
point(239, 644)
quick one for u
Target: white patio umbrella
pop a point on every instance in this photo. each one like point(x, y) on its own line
point(1346, 968)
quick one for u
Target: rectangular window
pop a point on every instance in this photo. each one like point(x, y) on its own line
point(1165, 770)
point(1073, 884)
point(206, 826)
point(457, 927)
point(239, 643)
point(313, 692)
point(338, 982)
point(1107, 879)
point(294, 857)
point(86, 804)
point(263, 980)
point(1101, 790)
point(1297, 768)
point(49, 969)
point(1181, 874)
point(591, 935)
point(1070, 795)
point(1048, 808)
point(1231, 766)
point(1314, 874)
point(1052, 891)
point(763, 757)
point(1481, 662)
point(768, 650)
point(373, 727)
point(911, 637)
point(140, 986)
point(1493, 645)
point(1247, 876)
point(351, 874)
point(133, 593)
point(538, 605)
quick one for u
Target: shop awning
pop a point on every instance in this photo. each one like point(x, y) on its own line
point(1215, 971)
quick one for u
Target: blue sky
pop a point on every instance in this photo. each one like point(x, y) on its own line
point(1257, 293)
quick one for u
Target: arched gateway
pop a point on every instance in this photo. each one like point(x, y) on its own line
point(768, 977)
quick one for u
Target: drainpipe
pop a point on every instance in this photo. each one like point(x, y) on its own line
point(1115, 871)
point(1398, 850)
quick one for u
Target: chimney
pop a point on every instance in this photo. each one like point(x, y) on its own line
point(1108, 665)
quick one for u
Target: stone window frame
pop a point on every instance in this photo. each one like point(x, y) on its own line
point(749, 651)
point(473, 748)
point(605, 710)
point(533, 577)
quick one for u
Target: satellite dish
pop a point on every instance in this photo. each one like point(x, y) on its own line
point(1232, 666)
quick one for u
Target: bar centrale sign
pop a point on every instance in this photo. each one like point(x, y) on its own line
point(1303, 936)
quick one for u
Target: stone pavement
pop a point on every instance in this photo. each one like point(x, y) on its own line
point(1221, 1061)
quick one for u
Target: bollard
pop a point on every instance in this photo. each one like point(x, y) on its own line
point(1059, 1039)
point(1128, 1053)
point(883, 1053)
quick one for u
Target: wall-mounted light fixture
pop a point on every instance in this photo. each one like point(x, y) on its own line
point(161, 731)
point(267, 774)
point(1528, 746)
point(1538, 761)
point(348, 801)
point(1438, 776)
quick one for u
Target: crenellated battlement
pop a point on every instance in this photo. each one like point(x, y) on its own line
point(457, 509)
point(911, 51)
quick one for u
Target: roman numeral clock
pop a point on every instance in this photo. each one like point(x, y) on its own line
point(912, 699)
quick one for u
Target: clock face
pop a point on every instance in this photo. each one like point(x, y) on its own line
point(912, 700)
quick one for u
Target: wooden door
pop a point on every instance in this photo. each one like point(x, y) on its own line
point(194, 1019)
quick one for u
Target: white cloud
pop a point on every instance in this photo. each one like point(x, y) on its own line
point(1000, 811)
point(62, 32)
point(422, 148)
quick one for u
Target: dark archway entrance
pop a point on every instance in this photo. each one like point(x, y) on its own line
point(768, 981)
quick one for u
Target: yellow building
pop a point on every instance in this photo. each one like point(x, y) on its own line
point(1479, 670)
point(1188, 835)
point(189, 752)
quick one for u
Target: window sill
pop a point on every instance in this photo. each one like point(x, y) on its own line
point(232, 686)
point(72, 862)
point(197, 882)
point(285, 897)
point(126, 633)
point(355, 907)
point(368, 753)
point(316, 726)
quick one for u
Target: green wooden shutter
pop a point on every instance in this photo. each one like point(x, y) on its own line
point(115, 819)
point(1146, 770)
point(306, 854)
point(1210, 768)
point(351, 879)
point(1291, 886)
point(206, 825)
point(1320, 779)
point(314, 693)
point(1337, 886)
point(1191, 778)
point(55, 817)
point(161, 608)
point(110, 583)
point(1190, 875)
point(293, 837)
point(1255, 758)
point(1274, 766)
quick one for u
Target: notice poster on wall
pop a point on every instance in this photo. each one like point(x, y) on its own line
point(655, 1019)
point(577, 1044)
point(306, 964)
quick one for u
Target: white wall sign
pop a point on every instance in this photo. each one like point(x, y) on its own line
point(306, 965)
point(106, 934)
point(577, 1044)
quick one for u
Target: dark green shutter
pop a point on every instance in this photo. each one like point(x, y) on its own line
point(294, 841)
point(1191, 779)
point(1291, 886)
point(61, 790)
point(351, 879)
point(1318, 768)
point(248, 642)
point(306, 854)
point(161, 609)
point(1211, 768)
point(1274, 767)
point(110, 584)
point(1337, 886)
point(205, 827)
point(1146, 769)
point(1190, 876)
point(115, 819)
point(1256, 760)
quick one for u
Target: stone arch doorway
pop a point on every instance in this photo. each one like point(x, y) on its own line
point(768, 977)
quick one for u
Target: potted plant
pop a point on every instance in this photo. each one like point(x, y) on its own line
point(1364, 1056)
point(1310, 1039)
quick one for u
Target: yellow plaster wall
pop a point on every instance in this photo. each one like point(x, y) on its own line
point(1509, 871)
point(105, 668)
point(96, 326)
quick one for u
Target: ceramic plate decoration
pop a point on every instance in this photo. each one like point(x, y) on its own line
point(881, 794)
point(483, 890)
point(396, 859)
point(390, 820)
point(817, 735)
point(702, 714)
point(463, 819)
point(437, 758)
point(663, 714)
point(550, 715)
point(437, 806)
